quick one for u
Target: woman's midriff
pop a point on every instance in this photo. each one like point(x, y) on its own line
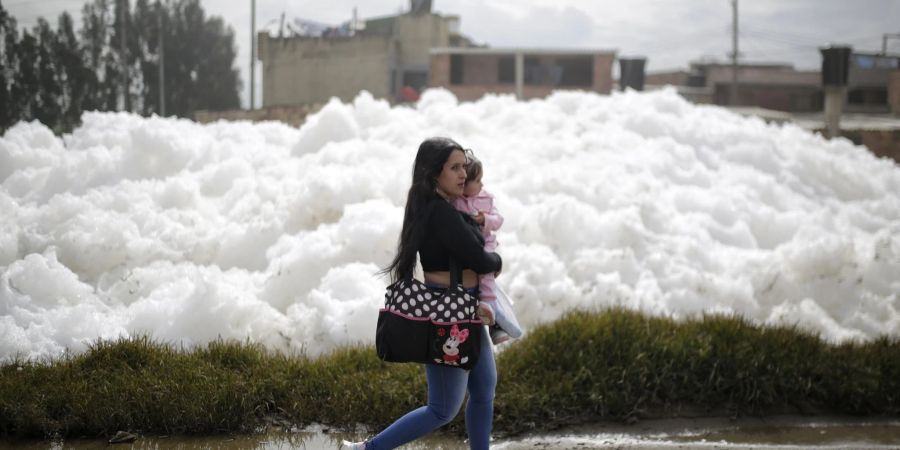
point(469, 279)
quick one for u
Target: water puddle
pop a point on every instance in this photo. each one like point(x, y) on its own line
point(770, 433)
point(312, 438)
point(746, 433)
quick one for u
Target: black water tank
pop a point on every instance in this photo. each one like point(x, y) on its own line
point(631, 73)
point(835, 65)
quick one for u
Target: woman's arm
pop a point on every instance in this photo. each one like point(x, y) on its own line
point(452, 231)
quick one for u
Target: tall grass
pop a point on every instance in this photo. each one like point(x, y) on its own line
point(615, 364)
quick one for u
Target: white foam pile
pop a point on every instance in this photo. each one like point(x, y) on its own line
point(190, 232)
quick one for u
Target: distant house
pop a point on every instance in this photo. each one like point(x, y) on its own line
point(396, 57)
point(873, 85)
point(387, 56)
point(869, 82)
point(472, 72)
point(766, 85)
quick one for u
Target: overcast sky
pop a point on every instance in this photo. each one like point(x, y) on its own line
point(669, 33)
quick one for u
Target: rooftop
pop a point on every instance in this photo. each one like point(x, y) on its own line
point(816, 121)
point(509, 50)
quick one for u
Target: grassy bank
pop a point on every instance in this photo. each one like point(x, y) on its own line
point(614, 364)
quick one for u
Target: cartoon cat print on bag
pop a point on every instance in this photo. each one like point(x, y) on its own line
point(451, 347)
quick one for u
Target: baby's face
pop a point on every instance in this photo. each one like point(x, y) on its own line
point(473, 187)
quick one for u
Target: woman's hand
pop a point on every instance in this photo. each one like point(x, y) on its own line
point(479, 217)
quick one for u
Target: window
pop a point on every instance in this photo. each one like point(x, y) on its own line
point(533, 73)
point(456, 69)
point(867, 96)
point(559, 70)
point(506, 69)
point(576, 70)
point(867, 62)
point(416, 79)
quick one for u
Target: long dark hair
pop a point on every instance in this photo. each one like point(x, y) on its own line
point(430, 159)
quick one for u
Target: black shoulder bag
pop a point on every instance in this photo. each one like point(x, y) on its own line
point(429, 326)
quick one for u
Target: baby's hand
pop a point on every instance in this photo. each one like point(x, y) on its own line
point(479, 217)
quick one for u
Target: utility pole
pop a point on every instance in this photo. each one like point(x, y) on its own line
point(520, 75)
point(734, 54)
point(123, 55)
point(252, 53)
point(162, 60)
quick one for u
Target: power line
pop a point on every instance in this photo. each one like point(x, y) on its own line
point(764, 37)
point(805, 39)
point(861, 41)
point(810, 39)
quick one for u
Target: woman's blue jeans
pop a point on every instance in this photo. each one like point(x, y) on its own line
point(447, 387)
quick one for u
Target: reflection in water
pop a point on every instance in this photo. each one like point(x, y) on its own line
point(312, 439)
point(785, 432)
point(872, 434)
point(771, 433)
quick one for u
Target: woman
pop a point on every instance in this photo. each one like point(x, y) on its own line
point(436, 230)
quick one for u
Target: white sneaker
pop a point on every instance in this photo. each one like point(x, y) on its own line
point(498, 336)
point(353, 445)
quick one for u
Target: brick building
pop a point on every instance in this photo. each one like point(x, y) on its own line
point(871, 85)
point(382, 56)
point(771, 86)
point(472, 72)
point(869, 82)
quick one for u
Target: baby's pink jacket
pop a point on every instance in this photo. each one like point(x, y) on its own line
point(484, 202)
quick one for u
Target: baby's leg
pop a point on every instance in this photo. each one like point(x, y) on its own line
point(488, 297)
point(487, 288)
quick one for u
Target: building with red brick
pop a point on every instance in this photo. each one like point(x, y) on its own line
point(471, 73)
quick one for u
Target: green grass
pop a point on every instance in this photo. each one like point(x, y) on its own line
point(613, 365)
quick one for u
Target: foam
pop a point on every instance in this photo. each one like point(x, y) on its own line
point(191, 232)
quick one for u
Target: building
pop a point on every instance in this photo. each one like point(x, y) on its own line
point(472, 72)
point(387, 56)
point(871, 85)
point(396, 57)
point(894, 92)
point(766, 85)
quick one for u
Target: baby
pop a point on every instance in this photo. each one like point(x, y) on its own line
point(479, 203)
